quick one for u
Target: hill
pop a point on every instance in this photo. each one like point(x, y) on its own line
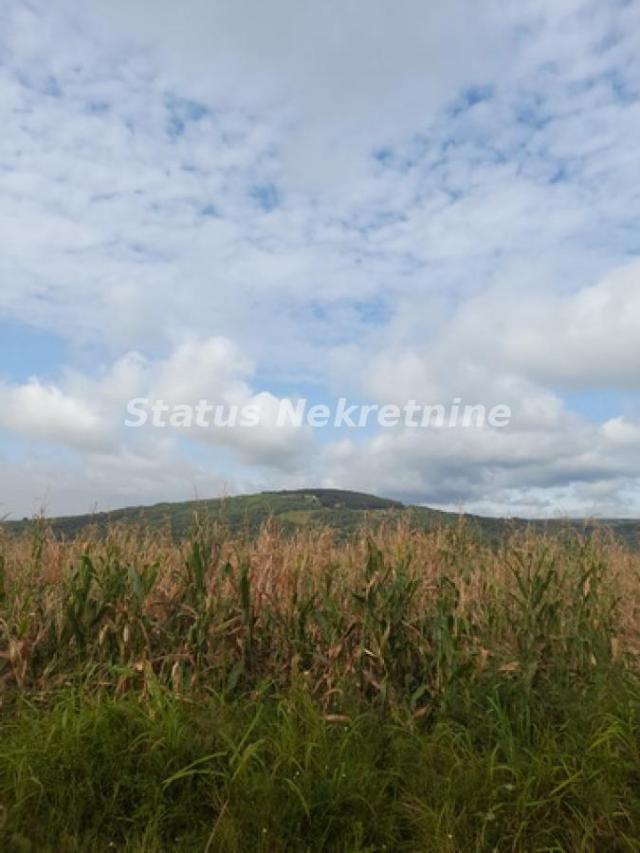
point(343, 510)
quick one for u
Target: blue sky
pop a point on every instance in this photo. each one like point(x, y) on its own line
point(247, 203)
point(26, 351)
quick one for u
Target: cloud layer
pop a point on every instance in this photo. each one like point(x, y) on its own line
point(236, 201)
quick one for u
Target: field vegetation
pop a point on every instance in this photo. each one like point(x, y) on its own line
point(398, 690)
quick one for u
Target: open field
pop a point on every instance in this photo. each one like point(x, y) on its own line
point(400, 690)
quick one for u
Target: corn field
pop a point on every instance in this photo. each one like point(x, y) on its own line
point(467, 697)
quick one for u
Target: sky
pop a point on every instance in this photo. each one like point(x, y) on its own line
point(257, 202)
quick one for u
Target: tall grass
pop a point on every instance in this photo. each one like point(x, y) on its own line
point(401, 691)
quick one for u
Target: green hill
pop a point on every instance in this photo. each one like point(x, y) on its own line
point(344, 511)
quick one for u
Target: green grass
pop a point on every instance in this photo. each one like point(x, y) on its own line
point(94, 772)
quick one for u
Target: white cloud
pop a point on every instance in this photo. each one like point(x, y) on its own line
point(514, 345)
point(585, 470)
point(588, 338)
point(45, 412)
point(334, 69)
point(88, 414)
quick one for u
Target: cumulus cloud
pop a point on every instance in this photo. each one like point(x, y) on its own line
point(517, 345)
point(587, 470)
point(90, 413)
point(47, 413)
point(588, 338)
